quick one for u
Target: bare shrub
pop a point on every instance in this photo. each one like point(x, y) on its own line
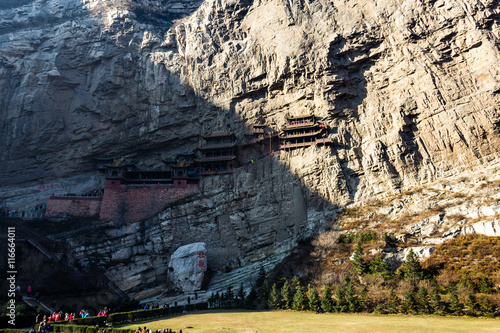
point(325, 243)
point(373, 280)
point(335, 277)
point(447, 277)
point(456, 217)
point(377, 294)
point(426, 284)
point(403, 287)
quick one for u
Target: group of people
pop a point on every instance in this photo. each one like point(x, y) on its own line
point(37, 211)
point(60, 315)
point(56, 316)
point(153, 306)
point(102, 312)
point(145, 330)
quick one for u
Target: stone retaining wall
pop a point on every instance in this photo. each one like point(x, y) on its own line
point(73, 206)
point(136, 203)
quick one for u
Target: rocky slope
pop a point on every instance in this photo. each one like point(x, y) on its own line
point(409, 90)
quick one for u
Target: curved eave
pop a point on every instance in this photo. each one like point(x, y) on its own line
point(299, 117)
point(296, 127)
point(306, 135)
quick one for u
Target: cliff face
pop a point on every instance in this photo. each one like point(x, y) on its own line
point(409, 90)
point(76, 84)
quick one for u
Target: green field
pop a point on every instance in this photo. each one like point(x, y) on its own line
point(302, 322)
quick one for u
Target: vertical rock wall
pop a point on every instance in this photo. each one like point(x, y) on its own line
point(409, 91)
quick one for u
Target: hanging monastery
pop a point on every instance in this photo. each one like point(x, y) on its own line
point(132, 195)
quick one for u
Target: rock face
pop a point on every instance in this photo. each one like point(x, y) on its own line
point(491, 228)
point(409, 91)
point(85, 89)
point(188, 265)
point(254, 216)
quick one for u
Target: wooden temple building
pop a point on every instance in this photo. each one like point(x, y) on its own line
point(177, 174)
point(218, 153)
point(303, 131)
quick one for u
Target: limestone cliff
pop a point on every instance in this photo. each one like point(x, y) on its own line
point(408, 89)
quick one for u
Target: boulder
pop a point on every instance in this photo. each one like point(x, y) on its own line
point(188, 265)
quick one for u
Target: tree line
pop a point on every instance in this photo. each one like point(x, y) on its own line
point(352, 295)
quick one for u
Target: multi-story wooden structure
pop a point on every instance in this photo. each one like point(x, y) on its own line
point(303, 131)
point(218, 153)
point(177, 175)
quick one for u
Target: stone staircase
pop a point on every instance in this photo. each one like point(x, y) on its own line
point(31, 301)
point(48, 247)
point(219, 283)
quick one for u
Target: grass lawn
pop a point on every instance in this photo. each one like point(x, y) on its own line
point(302, 322)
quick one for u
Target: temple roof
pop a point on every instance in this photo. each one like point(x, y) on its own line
point(300, 116)
point(315, 133)
point(299, 126)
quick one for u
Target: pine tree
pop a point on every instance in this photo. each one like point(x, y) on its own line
point(263, 296)
point(294, 284)
point(251, 299)
point(472, 306)
point(410, 302)
point(286, 296)
point(240, 297)
point(228, 298)
point(299, 300)
point(261, 277)
point(486, 286)
point(358, 263)
point(363, 298)
point(217, 300)
point(326, 300)
point(393, 303)
point(412, 271)
point(275, 299)
point(261, 289)
point(422, 299)
point(211, 301)
point(351, 298)
point(340, 304)
point(379, 266)
point(313, 297)
point(435, 303)
point(454, 306)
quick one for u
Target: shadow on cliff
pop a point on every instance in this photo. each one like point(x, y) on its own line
point(347, 61)
point(308, 211)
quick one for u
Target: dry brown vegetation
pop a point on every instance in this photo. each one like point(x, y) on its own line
point(489, 184)
point(472, 257)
